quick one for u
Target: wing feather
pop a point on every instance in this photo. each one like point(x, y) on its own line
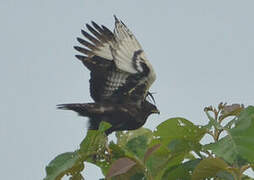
point(86, 44)
point(127, 70)
point(91, 38)
point(99, 36)
point(83, 50)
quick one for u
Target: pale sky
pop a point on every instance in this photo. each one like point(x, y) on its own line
point(202, 52)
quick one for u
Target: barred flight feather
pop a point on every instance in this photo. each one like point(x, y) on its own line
point(123, 51)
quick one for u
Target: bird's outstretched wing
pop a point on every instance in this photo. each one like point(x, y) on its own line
point(118, 65)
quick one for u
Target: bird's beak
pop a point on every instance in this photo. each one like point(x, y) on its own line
point(156, 111)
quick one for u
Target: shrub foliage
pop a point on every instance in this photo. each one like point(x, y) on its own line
point(172, 151)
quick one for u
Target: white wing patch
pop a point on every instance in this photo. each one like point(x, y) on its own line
point(123, 49)
point(104, 51)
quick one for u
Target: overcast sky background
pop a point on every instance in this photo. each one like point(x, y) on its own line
point(202, 52)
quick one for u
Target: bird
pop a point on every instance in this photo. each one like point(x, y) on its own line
point(120, 78)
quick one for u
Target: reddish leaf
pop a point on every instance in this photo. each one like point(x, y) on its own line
point(120, 166)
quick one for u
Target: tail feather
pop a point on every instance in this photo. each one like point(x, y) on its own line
point(77, 107)
point(82, 110)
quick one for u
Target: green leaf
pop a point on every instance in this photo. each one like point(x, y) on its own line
point(179, 135)
point(158, 160)
point(178, 128)
point(116, 150)
point(124, 137)
point(183, 171)
point(243, 134)
point(225, 175)
point(66, 163)
point(93, 148)
point(176, 137)
point(161, 159)
point(210, 167)
point(104, 126)
point(138, 146)
point(224, 148)
point(94, 142)
point(150, 151)
point(77, 176)
point(138, 176)
point(135, 142)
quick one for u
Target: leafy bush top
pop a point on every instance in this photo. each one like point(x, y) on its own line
point(173, 151)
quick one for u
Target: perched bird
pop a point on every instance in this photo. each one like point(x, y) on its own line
point(120, 79)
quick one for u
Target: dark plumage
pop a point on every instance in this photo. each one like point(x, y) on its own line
point(120, 79)
point(121, 117)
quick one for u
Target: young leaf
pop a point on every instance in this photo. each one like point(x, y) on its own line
point(231, 110)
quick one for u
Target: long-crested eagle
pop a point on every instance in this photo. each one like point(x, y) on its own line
point(120, 79)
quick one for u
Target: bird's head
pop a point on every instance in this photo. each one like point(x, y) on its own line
point(149, 108)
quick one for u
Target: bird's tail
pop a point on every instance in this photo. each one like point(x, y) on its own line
point(83, 109)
